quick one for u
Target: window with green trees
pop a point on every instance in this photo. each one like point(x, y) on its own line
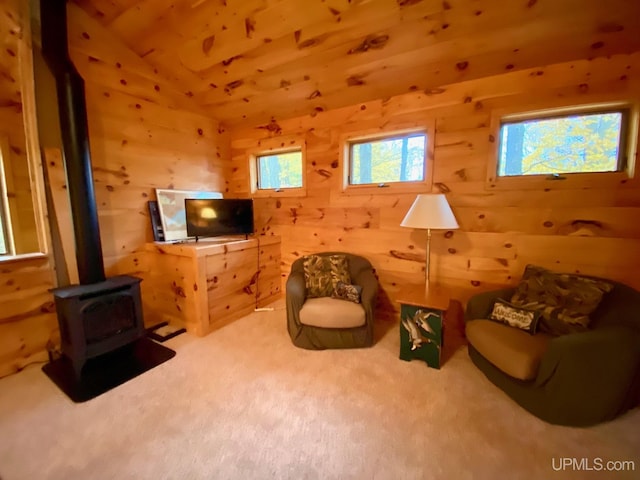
point(572, 143)
point(279, 170)
point(398, 158)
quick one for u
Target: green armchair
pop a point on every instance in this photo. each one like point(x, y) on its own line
point(577, 379)
point(321, 323)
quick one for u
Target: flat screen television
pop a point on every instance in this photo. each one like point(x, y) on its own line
point(213, 217)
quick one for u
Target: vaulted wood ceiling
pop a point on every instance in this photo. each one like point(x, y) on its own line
point(247, 61)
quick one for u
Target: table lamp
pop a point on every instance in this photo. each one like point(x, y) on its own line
point(430, 211)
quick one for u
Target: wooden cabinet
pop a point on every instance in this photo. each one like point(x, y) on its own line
point(206, 285)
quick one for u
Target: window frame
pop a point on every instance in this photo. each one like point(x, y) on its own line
point(626, 155)
point(5, 210)
point(425, 185)
point(274, 147)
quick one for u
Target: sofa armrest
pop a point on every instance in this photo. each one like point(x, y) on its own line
point(592, 370)
point(479, 306)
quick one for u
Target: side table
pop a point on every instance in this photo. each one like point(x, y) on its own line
point(422, 323)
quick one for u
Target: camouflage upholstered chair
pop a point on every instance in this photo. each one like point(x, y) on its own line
point(331, 298)
point(570, 370)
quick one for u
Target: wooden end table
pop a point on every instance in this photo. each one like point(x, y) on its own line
point(422, 323)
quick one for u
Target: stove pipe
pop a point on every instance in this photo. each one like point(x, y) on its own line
point(75, 140)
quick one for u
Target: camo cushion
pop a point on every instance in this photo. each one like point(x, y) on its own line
point(564, 300)
point(345, 291)
point(323, 272)
point(518, 317)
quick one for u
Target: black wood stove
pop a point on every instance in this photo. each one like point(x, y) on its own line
point(99, 315)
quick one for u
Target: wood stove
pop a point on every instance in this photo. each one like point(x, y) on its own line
point(98, 318)
point(99, 315)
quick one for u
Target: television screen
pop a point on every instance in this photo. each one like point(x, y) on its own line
point(218, 216)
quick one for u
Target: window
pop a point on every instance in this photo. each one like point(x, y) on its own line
point(555, 145)
point(391, 159)
point(277, 171)
point(277, 168)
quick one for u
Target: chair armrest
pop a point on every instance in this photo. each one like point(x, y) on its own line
point(594, 369)
point(479, 306)
point(296, 286)
point(369, 283)
point(296, 293)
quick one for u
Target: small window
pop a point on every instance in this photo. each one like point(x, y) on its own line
point(279, 171)
point(587, 142)
point(393, 159)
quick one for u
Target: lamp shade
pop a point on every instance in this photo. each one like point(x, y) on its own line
point(430, 211)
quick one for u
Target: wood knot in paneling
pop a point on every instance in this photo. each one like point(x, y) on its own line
point(370, 42)
point(48, 307)
point(462, 174)
point(272, 127)
point(231, 86)
point(312, 42)
point(442, 187)
point(355, 80)
point(412, 257)
point(178, 290)
point(230, 60)
point(249, 26)
point(207, 43)
point(583, 228)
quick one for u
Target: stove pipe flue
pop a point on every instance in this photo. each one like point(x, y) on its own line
point(75, 140)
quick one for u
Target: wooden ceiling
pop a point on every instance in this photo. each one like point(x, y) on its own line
point(247, 61)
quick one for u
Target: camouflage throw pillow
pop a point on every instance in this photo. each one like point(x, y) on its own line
point(322, 274)
point(345, 291)
point(564, 300)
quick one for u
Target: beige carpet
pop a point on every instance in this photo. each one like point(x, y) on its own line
point(243, 403)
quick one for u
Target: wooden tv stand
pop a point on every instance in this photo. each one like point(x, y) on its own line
point(206, 285)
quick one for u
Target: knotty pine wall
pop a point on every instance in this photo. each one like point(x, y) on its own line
point(592, 230)
point(144, 135)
